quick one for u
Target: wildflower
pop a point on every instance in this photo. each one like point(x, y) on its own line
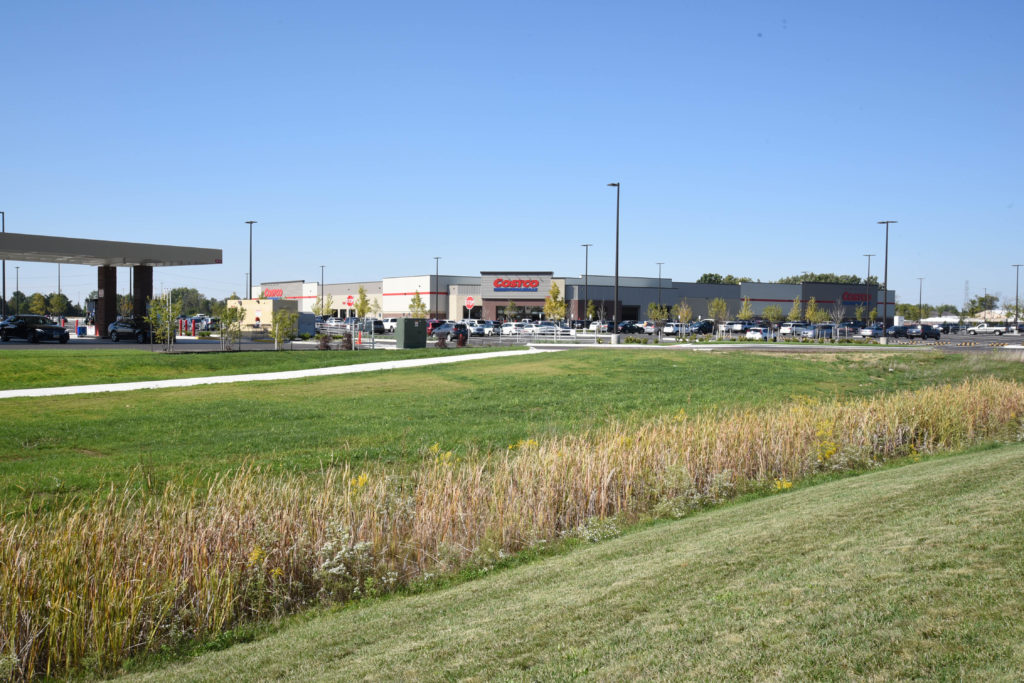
point(783, 484)
point(256, 556)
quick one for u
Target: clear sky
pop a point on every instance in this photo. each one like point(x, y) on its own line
point(756, 138)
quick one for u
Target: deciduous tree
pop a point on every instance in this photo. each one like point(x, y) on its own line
point(746, 312)
point(795, 313)
point(283, 326)
point(417, 309)
point(718, 309)
point(554, 304)
point(362, 303)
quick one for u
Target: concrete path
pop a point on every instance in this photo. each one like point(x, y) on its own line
point(261, 377)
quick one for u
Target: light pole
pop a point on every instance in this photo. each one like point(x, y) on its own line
point(248, 294)
point(1016, 297)
point(3, 301)
point(618, 190)
point(437, 283)
point(885, 290)
point(322, 302)
point(17, 286)
point(920, 311)
point(586, 280)
point(867, 284)
point(660, 264)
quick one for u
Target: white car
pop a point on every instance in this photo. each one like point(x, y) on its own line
point(759, 333)
point(985, 328)
point(792, 329)
point(390, 324)
point(511, 328)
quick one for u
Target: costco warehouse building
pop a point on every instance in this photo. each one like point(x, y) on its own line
point(490, 292)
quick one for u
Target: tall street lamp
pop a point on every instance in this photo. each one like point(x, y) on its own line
point(248, 294)
point(618, 190)
point(660, 264)
point(437, 284)
point(586, 280)
point(867, 284)
point(3, 301)
point(1016, 308)
point(920, 311)
point(322, 302)
point(17, 285)
point(885, 291)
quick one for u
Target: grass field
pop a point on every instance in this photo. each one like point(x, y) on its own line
point(906, 573)
point(59, 446)
point(26, 367)
point(273, 497)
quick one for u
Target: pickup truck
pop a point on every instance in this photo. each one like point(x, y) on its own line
point(985, 328)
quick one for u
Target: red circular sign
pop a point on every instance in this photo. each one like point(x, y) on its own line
point(349, 300)
point(469, 302)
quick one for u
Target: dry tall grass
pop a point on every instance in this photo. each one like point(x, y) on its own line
point(89, 586)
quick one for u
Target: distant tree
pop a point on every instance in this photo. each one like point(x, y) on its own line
point(796, 312)
point(947, 309)
point(591, 310)
point(985, 302)
point(376, 308)
point(324, 306)
point(682, 311)
point(192, 301)
point(125, 305)
point(283, 326)
point(745, 312)
point(709, 279)
point(859, 311)
point(512, 311)
point(837, 314)
point(57, 304)
point(17, 302)
point(231, 318)
point(773, 314)
point(718, 309)
point(37, 304)
point(825, 277)
point(733, 280)
point(814, 313)
point(873, 315)
point(417, 309)
point(554, 304)
point(162, 317)
point(362, 303)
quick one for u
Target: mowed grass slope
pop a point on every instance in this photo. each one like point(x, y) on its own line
point(60, 446)
point(912, 572)
point(27, 367)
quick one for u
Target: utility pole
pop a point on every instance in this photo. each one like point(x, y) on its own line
point(885, 291)
point(248, 293)
point(586, 280)
point(618, 192)
point(867, 284)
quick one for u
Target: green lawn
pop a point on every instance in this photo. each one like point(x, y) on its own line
point(72, 445)
point(25, 367)
point(906, 573)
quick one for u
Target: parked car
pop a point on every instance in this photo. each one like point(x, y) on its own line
point(390, 324)
point(129, 328)
point(602, 326)
point(819, 331)
point(451, 332)
point(759, 333)
point(511, 328)
point(792, 329)
point(701, 327)
point(949, 328)
point(33, 328)
point(671, 329)
point(873, 331)
point(896, 331)
point(923, 332)
point(986, 328)
point(433, 324)
point(630, 327)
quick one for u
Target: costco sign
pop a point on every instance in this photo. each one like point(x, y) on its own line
point(504, 285)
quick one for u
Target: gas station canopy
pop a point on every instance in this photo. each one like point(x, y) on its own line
point(21, 247)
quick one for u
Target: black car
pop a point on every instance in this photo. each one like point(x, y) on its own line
point(701, 327)
point(129, 328)
point(897, 331)
point(923, 332)
point(34, 328)
point(630, 327)
point(451, 332)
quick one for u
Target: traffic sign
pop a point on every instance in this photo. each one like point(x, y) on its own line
point(469, 302)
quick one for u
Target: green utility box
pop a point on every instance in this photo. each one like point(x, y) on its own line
point(411, 333)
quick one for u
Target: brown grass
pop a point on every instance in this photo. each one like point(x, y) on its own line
point(89, 586)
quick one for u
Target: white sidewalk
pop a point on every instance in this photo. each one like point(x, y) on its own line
point(261, 377)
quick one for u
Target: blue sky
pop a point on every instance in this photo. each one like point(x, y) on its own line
point(761, 138)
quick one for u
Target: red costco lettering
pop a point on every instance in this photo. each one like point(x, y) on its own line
point(853, 296)
point(271, 293)
point(500, 283)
